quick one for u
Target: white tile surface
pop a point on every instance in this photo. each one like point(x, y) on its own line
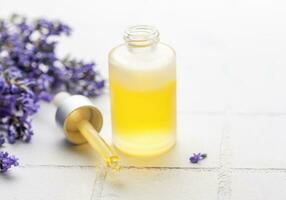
point(258, 141)
point(258, 185)
point(166, 184)
point(257, 86)
point(48, 183)
point(202, 88)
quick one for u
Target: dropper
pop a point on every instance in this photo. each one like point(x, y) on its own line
point(82, 122)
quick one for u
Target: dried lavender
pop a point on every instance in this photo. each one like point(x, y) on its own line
point(30, 72)
point(197, 157)
point(6, 161)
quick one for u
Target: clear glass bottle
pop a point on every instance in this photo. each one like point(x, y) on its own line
point(142, 76)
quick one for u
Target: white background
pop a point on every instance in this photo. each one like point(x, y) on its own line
point(231, 103)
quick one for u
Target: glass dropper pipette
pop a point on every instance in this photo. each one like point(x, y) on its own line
point(82, 122)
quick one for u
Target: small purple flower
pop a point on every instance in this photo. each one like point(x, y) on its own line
point(6, 161)
point(7, 105)
point(2, 84)
point(19, 128)
point(11, 134)
point(197, 157)
point(26, 130)
point(27, 104)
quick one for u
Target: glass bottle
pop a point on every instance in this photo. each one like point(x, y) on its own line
point(142, 76)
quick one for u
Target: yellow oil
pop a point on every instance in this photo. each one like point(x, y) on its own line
point(108, 155)
point(143, 120)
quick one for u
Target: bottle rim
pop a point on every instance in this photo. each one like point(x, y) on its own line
point(141, 35)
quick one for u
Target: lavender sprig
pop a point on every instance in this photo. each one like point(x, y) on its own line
point(31, 71)
point(6, 161)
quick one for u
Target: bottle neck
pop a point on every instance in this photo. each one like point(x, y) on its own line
point(140, 36)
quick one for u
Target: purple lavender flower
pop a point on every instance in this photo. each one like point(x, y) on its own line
point(2, 83)
point(27, 104)
point(19, 128)
point(196, 157)
point(6, 161)
point(31, 71)
point(7, 105)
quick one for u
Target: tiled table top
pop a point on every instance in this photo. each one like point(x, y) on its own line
point(231, 105)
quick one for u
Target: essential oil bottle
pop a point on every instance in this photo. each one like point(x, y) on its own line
point(142, 75)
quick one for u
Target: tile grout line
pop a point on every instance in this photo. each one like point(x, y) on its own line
point(225, 170)
point(259, 170)
point(93, 188)
point(209, 169)
point(123, 167)
point(97, 188)
point(172, 168)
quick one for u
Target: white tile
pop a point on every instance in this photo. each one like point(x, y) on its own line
point(160, 184)
point(201, 88)
point(45, 183)
point(256, 85)
point(255, 60)
point(258, 141)
point(258, 185)
point(102, 102)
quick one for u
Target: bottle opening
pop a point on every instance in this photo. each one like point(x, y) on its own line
point(141, 35)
